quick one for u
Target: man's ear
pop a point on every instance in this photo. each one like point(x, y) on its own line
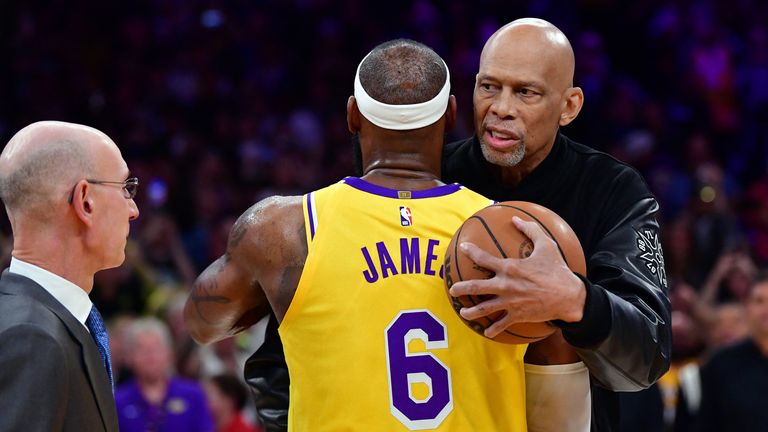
point(574, 100)
point(353, 116)
point(450, 113)
point(82, 202)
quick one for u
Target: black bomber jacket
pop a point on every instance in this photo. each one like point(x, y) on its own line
point(625, 335)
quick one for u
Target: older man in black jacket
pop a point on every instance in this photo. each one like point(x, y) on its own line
point(618, 318)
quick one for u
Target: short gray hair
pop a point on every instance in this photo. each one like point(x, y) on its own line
point(148, 325)
point(39, 178)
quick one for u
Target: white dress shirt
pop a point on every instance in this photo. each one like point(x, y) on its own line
point(71, 296)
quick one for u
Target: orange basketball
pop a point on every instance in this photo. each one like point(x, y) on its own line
point(492, 230)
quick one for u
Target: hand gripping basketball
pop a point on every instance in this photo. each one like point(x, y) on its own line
point(507, 284)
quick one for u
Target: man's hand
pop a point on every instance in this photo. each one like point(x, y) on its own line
point(538, 288)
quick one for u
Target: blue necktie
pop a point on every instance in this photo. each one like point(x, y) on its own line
point(99, 334)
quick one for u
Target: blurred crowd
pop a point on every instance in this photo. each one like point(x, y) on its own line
point(216, 104)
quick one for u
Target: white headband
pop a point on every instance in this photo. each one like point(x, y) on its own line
point(402, 117)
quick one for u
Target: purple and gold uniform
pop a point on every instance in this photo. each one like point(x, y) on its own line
point(371, 339)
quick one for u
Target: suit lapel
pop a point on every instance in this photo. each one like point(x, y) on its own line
point(95, 370)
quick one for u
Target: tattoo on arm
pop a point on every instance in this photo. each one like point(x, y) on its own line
point(204, 292)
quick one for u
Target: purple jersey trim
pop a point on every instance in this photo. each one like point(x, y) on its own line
point(365, 186)
point(311, 215)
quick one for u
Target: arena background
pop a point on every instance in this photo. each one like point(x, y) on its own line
point(217, 104)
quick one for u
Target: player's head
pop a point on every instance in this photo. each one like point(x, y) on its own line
point(401, 99)
point(524, 92)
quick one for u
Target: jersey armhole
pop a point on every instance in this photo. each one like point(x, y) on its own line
point(309, 209)
point(310, 216)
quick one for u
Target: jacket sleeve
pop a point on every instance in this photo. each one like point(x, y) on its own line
point(624, 337)
point(33, 380)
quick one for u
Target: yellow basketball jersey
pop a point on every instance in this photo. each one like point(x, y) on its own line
point(371, 339)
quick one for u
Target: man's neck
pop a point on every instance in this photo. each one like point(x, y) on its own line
point(509, 176)
point(63, 265)
point(409, 161)
point(402, 179)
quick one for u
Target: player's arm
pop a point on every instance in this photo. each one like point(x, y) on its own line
point(226, 297)
point(229, 296)
point(557, 389)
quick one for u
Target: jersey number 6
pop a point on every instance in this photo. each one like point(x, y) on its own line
point(408, 369)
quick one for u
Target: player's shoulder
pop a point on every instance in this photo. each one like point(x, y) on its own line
point(269, 210)
point(272, 205)
point(273, 223)
point(468, 194)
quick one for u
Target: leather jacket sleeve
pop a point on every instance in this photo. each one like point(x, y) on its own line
point(267, 375)
point(625, 335)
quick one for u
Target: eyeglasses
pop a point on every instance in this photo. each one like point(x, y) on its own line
point(130, 187)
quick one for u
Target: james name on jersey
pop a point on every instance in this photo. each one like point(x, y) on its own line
point(416, 255)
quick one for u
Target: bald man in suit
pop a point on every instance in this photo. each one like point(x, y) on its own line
point(69, 197)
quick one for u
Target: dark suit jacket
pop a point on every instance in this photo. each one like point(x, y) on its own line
point(52, 377)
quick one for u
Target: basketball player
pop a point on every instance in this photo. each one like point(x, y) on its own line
point(353, 274)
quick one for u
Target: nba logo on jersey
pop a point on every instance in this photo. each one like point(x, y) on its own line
point(405, 216)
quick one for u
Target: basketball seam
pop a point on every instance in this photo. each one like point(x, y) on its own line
point(490, 234)
point(458, 267)
point(456, 252)
point(541, 224)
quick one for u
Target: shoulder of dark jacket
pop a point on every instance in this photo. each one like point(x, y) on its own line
point(603, 169)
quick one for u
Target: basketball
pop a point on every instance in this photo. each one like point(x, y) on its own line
point(492, 230)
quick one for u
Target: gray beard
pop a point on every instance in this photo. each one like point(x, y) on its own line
point(504, 159)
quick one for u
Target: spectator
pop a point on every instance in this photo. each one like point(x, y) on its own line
point(154, 400)
point(226, 397)
point(730, 325)
point(735, 378)
point(117, 327)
